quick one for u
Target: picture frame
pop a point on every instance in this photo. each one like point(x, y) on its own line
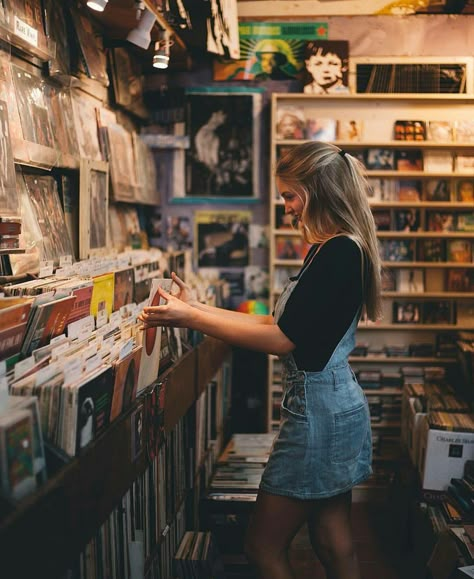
point(94, 227)
point(406, 313)
point(224, 158)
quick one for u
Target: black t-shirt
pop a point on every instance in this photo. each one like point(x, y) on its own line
point(324, 302)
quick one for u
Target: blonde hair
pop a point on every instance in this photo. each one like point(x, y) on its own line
point(334, 193)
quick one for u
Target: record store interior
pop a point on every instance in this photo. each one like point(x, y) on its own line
point(236, 289)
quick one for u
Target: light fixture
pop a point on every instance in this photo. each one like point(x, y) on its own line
point(98, 5)
point(141, 35)
point(161, 58)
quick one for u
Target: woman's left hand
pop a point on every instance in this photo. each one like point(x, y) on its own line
point(174, 313)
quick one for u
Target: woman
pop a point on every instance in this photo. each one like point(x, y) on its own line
point(324, 445)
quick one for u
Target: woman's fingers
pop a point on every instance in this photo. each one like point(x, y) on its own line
point(178, 280)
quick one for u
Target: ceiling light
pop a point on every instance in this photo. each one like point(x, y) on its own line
point(161, 58)
point(98, 5)
point(141, 35)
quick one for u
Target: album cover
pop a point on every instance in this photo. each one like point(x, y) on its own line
point(406, 312)
point(291, 123)
point(350, 130)
point(125, 376)
point(465, 191)
point(49, 214)
point(409, 160)
point(9, 199)
point(380, 160)
point(460, 280)
point(123, 287)
point(437, 313)
point(381, 190)
point(409, 190)
point(8, 95)
point(62, 120)
point(94, 201)
point(152, 337)
point(327, 64)
point(17, 477)
point(437, 161)
point(383, 220)
point(459, 250)
point(282, 220)
point(437, 190)
point(431, 250)
point(465, 222)
point(440, 131)
point(85, 122)
point(89, 55)
point(464, 131)
point(441, 221)
point(464, 164)
point(410, 280)
point(409, 130)
point(122, 166)
point(397, 250)
point(127, 80)
point(32, 108)
point(388, 280)
point(407, 220)
point(287, 247)
point(56, 20)
point(94, 400)
point(321, 129)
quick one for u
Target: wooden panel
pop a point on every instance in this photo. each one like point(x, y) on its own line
point(180, 389)
point(211, 354)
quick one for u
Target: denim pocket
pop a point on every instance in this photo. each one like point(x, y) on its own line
point(350, 433)
point(294, 401)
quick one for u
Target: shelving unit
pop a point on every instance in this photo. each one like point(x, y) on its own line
point(58, 520)
point(376, 114)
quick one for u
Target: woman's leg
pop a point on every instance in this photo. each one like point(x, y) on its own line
point(275, 522)
point(330, 531)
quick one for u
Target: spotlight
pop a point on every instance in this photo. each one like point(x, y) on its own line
point(98, 5)
point(141, 35)
point(161, 58)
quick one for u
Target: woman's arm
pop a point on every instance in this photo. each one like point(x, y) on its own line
point(185, 294)
point(266, 338)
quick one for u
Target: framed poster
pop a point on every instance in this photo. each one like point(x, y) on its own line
point(222, 238)
point(93, 208)
point(223, 160)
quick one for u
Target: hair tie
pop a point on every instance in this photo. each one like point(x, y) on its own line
point(342, 153)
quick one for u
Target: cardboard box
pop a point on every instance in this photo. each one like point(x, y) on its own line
point(442, 455)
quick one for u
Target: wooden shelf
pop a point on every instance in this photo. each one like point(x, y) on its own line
point(427, 264)
point(424, 234)
point(420, 205)
point(425, 327)
point(400, 360)
point(55, 523)
point(382, 391)
point(448, 146)
point(463, 98)
point(385, 424)
point(430, 295)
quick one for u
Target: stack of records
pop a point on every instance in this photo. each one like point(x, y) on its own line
point(197, 557)
point(421, 350)
point(9, 233)
point(394, 351)
point(451, 421)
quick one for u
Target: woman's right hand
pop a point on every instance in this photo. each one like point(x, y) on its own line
point(185, 292)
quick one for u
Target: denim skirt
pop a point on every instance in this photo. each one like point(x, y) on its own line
point(324, 445)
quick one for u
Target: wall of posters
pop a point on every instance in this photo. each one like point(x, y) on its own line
point(270, 51)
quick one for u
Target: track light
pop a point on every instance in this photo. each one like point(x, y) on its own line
point(98, 5)
point(161, 58)
point(141, 35)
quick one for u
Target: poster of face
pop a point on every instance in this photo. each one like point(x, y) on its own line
point(223, 160)
point(270, 51)
point(222, 238)
point(326, 63)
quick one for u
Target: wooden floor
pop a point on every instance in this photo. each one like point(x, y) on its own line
point(382, 544)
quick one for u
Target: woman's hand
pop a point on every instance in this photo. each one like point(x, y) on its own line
point(174, 313)
point(185, 293)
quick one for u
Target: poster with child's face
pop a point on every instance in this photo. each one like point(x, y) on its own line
point(326, 63)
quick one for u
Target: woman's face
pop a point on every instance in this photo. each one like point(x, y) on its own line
point(294, 200)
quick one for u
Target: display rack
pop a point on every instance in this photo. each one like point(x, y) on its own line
point(376, 114)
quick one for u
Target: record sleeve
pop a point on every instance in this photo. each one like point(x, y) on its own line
point(85, 121)
point(125, 373)
point(9, 199)
point(56, 20)
point(44, 197)
point(32, 108)
point(62, 120)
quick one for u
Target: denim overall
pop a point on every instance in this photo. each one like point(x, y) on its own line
point(324, 446)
